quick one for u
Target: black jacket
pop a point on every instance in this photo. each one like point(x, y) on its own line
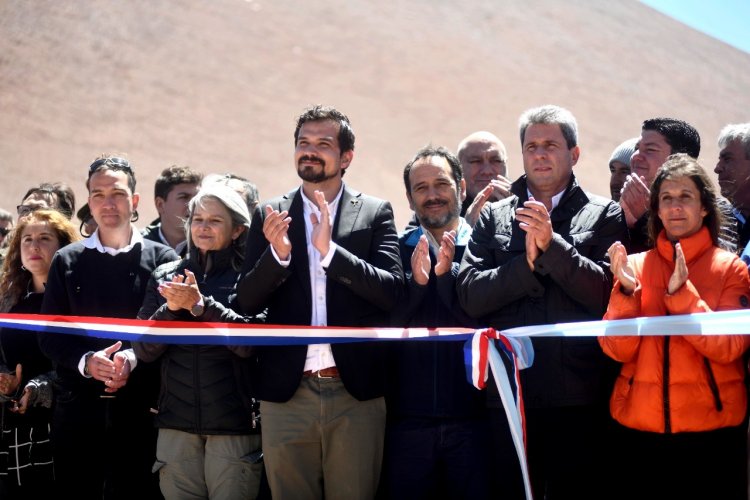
point(571, 282)
point(20, 346)
point(205, 389)
point(428, 378)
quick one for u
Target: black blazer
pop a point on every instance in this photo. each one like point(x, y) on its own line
point(364, 280)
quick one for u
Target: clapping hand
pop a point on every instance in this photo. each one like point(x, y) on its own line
point(498, 187)
point(635, 197)
point(276, 229)
point(322, 228)
point(680, 273)
point(535, 220)
point(182, 292)
point(620, 266)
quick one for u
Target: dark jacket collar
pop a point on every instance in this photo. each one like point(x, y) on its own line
point(573, 199)
point(215, 259)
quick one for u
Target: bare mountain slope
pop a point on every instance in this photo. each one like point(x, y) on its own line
point(217, 84)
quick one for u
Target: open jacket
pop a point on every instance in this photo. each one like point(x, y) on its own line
point(680, 383)
point(363, 283)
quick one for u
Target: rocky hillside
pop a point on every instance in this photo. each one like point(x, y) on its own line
point(218, 84)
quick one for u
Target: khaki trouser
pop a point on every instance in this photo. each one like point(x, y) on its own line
point(193, 466)
point(323, 443)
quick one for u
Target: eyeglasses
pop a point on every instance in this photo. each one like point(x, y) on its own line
point(111, 161)
point(24, 210)
point(4, 231)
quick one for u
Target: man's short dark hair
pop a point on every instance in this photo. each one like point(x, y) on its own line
point(680, 135)
point(320, 113)
point(172, 176)
point(457, 171)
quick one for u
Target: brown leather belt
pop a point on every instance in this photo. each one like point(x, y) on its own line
point(330, 372)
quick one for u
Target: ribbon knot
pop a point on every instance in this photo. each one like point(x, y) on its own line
point(518, 350)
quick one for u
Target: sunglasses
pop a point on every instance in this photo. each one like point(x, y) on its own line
point(111, 161)
point(24, 210)
point(4, 231)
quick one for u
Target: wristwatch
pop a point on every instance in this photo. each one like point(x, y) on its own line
point(198, 308)
point(86, 359)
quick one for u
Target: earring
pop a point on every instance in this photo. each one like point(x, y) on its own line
point(23, 268)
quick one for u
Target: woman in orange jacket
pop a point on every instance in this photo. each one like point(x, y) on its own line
point(680, 401)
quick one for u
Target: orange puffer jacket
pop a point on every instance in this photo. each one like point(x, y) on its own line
point(680, 383)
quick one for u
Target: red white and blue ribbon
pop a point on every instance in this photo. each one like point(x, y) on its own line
point(192, 332)
point(515, 342)
point(481, 355)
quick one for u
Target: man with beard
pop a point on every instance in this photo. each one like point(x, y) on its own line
point(485, 165)
point(322, 255)
point(539, 257)
point(436, 435)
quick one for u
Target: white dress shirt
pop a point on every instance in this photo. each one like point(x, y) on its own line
point(319, 356)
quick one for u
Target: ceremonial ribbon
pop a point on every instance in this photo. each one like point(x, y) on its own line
point(479, 354)
point(482, 352)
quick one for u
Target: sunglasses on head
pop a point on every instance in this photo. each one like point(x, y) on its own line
point(111, 161)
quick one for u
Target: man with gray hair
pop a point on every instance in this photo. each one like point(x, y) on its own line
point(733, 169)
point(539, 257)
point(485, 165)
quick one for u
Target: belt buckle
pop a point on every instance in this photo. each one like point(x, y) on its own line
point(323, 376)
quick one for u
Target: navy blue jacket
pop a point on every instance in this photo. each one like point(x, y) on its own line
point(428, 378)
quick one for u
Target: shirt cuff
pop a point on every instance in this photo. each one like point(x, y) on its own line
point(130, 354)
point(82, 364)
point(284, 263)
point(326, 261)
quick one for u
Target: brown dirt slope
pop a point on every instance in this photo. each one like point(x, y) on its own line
point(217, 84)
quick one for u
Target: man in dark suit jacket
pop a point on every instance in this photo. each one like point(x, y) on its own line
point(322, 255)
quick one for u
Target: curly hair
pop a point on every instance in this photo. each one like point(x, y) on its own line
point(15, 280)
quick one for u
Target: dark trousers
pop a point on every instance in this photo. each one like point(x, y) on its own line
point(436, 458)
point(568, 450)
point(104, 448)
point(691, 465)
